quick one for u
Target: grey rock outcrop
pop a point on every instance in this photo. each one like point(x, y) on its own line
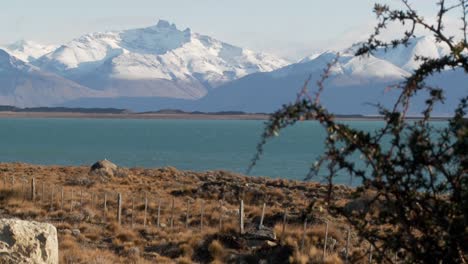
point(107, 169)
point(27, 242)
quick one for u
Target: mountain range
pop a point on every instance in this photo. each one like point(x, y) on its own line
point(161, 67)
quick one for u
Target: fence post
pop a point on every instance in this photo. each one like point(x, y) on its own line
point(241, 217)
point(52, 198)
point(172, 214)
point(325, 243)
point(92, 199)
point(105, 203)
point(304, 235)
point(23, 189)
point(133, 211)
point(81, 199)
point(262, 217)
point(221, 214)
point(33, 189)
point(347, 245)
point(158, 224)
point(62, 196)
point(187, 214)
point(202, 212)
point(71, 200)
point(146, 209)
point(285, 219)
point(43, 193)
point(119, 208)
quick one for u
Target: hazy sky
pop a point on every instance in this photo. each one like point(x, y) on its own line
point(289, 28)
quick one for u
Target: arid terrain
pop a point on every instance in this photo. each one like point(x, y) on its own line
point(190, 217)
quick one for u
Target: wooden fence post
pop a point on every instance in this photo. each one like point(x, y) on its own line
point(285, 219)
point(304, 231)
point(325, 243)
point(347, 245)
point(62, 198)
point(187, 214)
point(43, 192)
point(221, 214)
point(92, 199)
point(23, 190)
point(202, 212)
point(262, 217)
point(52, 196)
point(172, 214)
point(119, 209)
point(133, 211)
point(81, 199)
point(33, 189)
point(105, 203)
point(71, 200)
point(158, 224)
point(146, 210)
point(241, 217)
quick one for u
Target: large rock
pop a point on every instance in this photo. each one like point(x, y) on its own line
point(27, 242)
point(262, 233)
point(108, 169)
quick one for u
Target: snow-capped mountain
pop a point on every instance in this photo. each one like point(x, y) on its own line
point(356, 84)
point(164, 67)
point(405, 57)
point(157, 61)
point(349, 69)
point(28, 51)
point(24, 85)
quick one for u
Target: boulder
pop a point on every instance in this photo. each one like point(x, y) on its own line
point(107, 169)
point(263, 233)
point(260, 238)
point(27, 242)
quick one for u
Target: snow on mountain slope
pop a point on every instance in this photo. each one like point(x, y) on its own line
point(28, 51)
point(405, 57)
point(349, 69)
point(354, 86)
point(159, 54)
point(25, 85)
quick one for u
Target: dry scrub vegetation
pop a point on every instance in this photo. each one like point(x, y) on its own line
point(90, 234)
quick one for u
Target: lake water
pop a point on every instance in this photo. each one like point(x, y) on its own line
point(185, 144)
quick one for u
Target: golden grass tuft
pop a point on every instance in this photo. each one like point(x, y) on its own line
point(217, 250)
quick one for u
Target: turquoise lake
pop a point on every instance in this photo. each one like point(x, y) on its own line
point(185, 144)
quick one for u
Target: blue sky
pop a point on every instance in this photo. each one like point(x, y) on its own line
point(294, 28)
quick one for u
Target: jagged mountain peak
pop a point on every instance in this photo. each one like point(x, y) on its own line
point(27, 50)
point(162, 52)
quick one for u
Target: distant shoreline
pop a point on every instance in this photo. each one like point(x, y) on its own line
point(168, 116)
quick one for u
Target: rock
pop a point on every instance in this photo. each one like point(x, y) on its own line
point(271, 243)
point(76, 232)
point(263, 233)
point(104, 164)
point(27, 242)
point(105, 168)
